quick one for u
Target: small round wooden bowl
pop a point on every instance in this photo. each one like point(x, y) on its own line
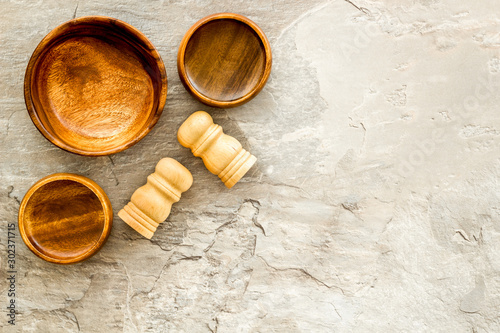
point(95, 86)
point(65, 218)
point(224, 60)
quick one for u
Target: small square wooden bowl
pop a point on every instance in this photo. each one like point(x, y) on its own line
point(65, 218)
point(224, 60)
point(95, 86)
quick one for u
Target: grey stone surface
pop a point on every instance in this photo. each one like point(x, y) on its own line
point(374, 206)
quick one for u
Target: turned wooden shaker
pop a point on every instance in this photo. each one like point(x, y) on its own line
point(150, 204)
point(221, 153)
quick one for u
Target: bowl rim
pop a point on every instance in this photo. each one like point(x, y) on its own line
point(96, 190)
point(207, 99)
point(46, 42)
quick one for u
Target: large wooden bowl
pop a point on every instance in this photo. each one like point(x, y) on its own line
point(224, 60)
point(65, 218)
point(95, 86)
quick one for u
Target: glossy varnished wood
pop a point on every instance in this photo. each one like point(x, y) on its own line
point(95, 86)
point(224, 60)
point(65, 218)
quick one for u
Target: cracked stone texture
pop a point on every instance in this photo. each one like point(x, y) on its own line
point(374, 206)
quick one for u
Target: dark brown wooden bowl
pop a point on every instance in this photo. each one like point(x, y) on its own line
point(95, 86)
point(65, 218)
point(224, 60)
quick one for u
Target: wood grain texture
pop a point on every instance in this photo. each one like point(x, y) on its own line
point(95, 86)
point(150, 204)
point(222, 154)
point(224, 60)
point(65, 218)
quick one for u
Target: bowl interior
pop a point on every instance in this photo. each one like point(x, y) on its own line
point(95, 86)
point(225, 59)
point(63, 219)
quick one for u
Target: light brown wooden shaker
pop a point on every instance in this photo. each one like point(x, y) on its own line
point(150, 204)
point(221, 153)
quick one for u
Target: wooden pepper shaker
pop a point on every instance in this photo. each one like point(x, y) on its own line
point(221, 153)
point(150, 204)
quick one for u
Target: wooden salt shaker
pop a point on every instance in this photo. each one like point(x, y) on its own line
point(221, 153)
point(150, 204)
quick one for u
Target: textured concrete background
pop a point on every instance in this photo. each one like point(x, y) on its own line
point(374, 206)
